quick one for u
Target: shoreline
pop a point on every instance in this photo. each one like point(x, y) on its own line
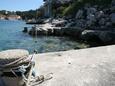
point(93, 38)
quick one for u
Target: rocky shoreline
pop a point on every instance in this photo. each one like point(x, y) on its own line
point(92, 24)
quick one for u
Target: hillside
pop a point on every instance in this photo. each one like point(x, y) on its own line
point(70, 9)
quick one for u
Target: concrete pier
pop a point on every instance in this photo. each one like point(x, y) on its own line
point(85, 67)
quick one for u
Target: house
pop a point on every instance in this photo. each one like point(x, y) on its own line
point(2, 17)
point(14, 17)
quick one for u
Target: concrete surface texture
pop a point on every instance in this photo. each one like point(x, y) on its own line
point(85, 67)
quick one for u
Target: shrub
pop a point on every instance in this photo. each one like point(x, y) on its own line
point(72, 8)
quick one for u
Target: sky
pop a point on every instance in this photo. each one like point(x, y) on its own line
point(20, 5)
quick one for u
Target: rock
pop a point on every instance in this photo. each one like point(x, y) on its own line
point(103, 27)
point(79, 14)
point(107, 37)
point(57, 32)
point(90, 36)
point(108, 24)
point(91, 10)
point(73, 32)
point(59, 22)
point(81, 23)
point(33, 31)
point(112, 9)
point(49, 32)
point(71, 24)
point(99, 14)
point(37, 31)
point(107, 10)
point(113, 3)
point(91, 19)
point(102, 21)
point(25, 30)
point(49, 20)
point(112, 16)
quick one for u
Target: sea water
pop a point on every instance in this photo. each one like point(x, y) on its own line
point(12, 37)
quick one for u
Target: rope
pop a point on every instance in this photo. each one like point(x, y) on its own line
point(40, 79)
point(12, 63)
point(29, 77)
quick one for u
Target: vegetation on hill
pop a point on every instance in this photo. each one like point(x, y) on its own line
point(4, 12)
point(27, 14)
point(24, 14)
point(72, 8)
point(59, 9)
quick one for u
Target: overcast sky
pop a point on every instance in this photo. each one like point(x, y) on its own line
point(20, 5)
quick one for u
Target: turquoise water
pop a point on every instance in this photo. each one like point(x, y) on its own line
point(12, 37)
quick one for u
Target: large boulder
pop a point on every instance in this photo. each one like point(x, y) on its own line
point(112, 16)
point(90, 35)
point(74, 32)
point(37, 31)
point(106, 37)
point(57, 32)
